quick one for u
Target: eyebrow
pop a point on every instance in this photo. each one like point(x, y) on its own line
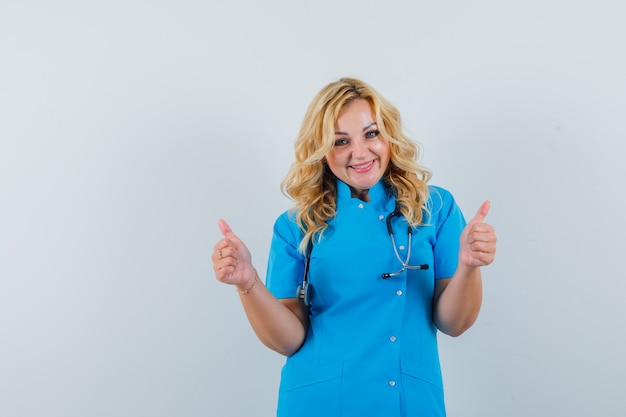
point(364, 129)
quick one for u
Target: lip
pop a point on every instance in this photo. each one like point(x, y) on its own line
point(364, 167)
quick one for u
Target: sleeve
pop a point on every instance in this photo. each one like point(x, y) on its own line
point(285, 265)
point(449, 222)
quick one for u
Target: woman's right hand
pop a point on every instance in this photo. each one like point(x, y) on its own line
point(280, 324)
point(232, 261)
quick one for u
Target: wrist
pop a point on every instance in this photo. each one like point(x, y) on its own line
point(465, 271)
point(246, 289)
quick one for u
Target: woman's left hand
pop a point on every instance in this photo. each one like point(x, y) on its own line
point(478, 240)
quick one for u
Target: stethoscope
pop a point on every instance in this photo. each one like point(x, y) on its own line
point(303, 292)
point(405, 263)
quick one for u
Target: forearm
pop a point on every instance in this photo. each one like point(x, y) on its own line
point(276, 325)
point(456, 308)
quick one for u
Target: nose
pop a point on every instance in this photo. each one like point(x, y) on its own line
point(359, 149)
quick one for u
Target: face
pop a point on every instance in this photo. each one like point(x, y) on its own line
point(360, 155)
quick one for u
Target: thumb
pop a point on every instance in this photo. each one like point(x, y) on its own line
point(482, 213)
point(226, 230)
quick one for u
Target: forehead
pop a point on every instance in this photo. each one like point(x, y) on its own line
point(358, 111)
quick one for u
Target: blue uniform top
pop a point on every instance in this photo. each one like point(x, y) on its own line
point(371, 346)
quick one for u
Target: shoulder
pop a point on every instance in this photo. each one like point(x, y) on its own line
point(439, 196)
point(287, 227)
point(441, 204)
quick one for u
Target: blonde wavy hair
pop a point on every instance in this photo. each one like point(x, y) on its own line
point(310, 182)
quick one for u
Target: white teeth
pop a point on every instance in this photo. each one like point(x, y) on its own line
point(361, 166)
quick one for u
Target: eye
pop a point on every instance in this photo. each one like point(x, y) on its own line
point(372, 134)
point(341, 142)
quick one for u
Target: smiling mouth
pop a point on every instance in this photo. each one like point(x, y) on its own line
point(362, 167)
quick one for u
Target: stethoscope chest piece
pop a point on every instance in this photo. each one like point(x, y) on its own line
point(303, 292)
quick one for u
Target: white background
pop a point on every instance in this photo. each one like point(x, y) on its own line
point(128, 128)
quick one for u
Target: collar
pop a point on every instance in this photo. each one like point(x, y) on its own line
point(379, 197)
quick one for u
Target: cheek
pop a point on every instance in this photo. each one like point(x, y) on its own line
point(383, 150)
point(333, 159)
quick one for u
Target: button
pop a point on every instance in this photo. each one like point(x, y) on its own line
point(400, 247)
point(393, 339)
point(392, 383)
point(361, 205)
point(381, 217)
point(399, 293)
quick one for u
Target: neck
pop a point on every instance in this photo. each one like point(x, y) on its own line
point(362, 195)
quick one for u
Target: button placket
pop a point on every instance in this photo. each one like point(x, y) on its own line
point(392, 337)
point(393, 347)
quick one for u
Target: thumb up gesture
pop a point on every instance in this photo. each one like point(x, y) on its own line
point(478, 240)
point(231, 258)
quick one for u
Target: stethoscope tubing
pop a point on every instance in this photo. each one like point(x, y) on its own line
point(303, 290)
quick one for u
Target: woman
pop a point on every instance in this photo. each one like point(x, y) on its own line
point(391, 262)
